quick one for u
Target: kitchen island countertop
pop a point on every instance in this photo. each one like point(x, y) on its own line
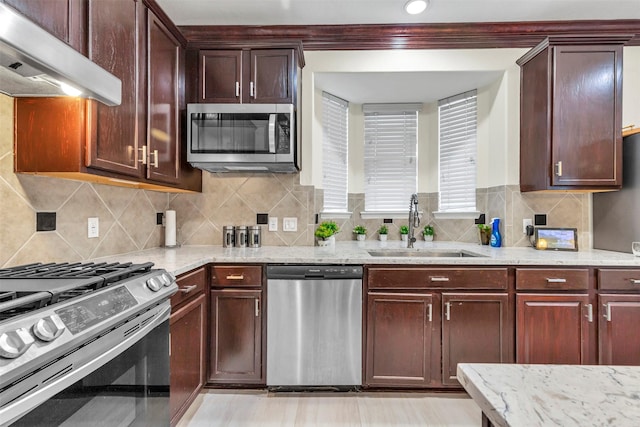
point(554, 395)
point(182, 259)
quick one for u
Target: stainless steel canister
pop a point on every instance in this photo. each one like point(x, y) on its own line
point(228, 236)
point(254, 236)
point(241, 236)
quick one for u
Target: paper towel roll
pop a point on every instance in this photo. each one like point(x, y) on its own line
point(170, 228)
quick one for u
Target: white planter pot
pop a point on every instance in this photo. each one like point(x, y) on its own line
point(324, 243)
point(361, 237)
point(383, 237)
point(428, 238)
point(404, 237)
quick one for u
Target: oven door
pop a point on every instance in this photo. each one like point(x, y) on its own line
point(132, 389)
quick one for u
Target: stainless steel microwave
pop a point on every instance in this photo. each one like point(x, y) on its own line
point(242, 137)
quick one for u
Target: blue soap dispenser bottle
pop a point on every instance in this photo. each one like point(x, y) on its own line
point(496, 239)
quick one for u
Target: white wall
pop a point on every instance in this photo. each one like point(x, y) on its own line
point(498, 105)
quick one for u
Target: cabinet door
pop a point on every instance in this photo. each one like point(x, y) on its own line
point(553, 329)
point(619, 341)
point(220, 76)
point(272, 77)
point(115, 43)
point(587, 121)
point(236, 337)
point(163, 131)
point(475, 329)
point(399, 351)
point(187, 374)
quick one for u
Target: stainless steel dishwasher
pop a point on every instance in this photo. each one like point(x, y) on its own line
point(314, 326)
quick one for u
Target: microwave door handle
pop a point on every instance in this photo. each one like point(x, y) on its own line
point(272, 133)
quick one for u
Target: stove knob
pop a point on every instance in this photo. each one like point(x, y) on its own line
point(154, 284)
point(14, 343)
point(168, 279)
point(49, 328)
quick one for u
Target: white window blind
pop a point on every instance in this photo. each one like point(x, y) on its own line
point(390, 152)
point(335, 130)
point(457, 118)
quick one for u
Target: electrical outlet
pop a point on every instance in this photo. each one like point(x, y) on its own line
point(273, 223)
point(290, 224)
point(525, 223)
point(93, 228)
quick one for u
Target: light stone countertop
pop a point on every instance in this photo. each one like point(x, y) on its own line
point(554, 395)
point(182, 259)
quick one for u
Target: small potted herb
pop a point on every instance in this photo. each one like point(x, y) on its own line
point(485, 233)
point(427, 233)
point(325, 233)
point(382, 233)
point(360, 231)
point(404, 232)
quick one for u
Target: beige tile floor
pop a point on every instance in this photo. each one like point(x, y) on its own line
point(261, 408)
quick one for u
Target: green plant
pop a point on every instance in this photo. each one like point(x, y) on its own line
point(404, 229)
point(326, 229)
point(383, 229)
point(428, 230)
point(484, 227)
point(360, 229)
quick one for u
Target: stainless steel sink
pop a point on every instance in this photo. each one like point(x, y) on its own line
point(430, 253)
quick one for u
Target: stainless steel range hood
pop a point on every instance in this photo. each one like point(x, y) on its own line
point(35, 63)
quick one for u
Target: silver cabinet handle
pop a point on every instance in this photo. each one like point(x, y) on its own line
point(252, 90)
point(439, 279)
point(559, 168)
point(555, 280)
point(447, 312)
point(188, 289)
point(235, 277)
point(590, 312)
point(430, 312)
point(237, 89)
point(143, 158)
point(155, 159)
point(635, 281)
point(257, 308)
point(607, 312)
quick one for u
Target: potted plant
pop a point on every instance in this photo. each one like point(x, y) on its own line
point(360, 231)
point(382, 233)
point(325, 233)
point(485, 233)
point(404, 232)
point(427, 232)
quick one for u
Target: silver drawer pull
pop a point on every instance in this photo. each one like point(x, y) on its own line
point(257, 307)
point(188, 289)
point(555, 280)
point(237, 89)
point(635, 281)
point(235, 277)
point(143, 157)
point(430, 313)
point(607, 312)
point(447, 313)
point(590, 312)
point(559, 168)
point(439, 279)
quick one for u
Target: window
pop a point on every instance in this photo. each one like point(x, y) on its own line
point(457, 118)
point(335, 130)
point(390, 154)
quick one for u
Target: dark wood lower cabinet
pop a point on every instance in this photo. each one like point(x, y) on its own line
point(554, 328)
point(400, 334)
point(236, 337)
point(475, 329)
point(619, 340)
point(188, 352)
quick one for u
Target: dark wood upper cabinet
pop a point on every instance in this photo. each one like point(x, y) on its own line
point(165, 60)
point(118, 142)
point(571, 114)
point(248, 76)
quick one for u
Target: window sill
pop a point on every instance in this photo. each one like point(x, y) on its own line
point(336, 215)
point(388, 214)
point(456, 215)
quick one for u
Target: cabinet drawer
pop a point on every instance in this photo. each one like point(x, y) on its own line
point(467, 278)
point(619, 279)
point(190, 285)
point(552, 278)
point(236, 276)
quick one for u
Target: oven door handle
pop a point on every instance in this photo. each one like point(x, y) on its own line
point(272, 133)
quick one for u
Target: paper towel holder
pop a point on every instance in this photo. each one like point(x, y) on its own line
point(169, 223)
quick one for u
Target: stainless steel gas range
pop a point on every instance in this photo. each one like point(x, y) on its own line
point(84, 344)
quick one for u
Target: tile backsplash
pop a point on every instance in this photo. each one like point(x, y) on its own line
point(128, 216)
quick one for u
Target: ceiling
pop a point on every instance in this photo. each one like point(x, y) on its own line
point(335, 12)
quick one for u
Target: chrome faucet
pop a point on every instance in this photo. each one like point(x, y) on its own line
point(414, 219)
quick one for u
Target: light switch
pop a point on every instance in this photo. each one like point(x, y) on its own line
point(290, 224)
point(273, 223)
point(93, 228)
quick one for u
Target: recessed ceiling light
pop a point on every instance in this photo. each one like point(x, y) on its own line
point(414, 7)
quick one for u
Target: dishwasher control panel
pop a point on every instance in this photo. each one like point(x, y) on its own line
point(314, 272)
